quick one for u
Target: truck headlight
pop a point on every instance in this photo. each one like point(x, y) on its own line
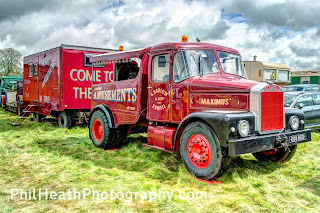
point(243, 128)
point(294, 122)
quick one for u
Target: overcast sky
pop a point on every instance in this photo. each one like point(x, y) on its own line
point(284, 31)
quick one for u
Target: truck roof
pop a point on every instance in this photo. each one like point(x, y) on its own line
point(158, 48)
point(75, 47)
point(190, 45)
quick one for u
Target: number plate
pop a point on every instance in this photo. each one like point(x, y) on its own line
point(297, 138)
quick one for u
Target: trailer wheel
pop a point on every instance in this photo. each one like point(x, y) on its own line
point(201, 152)
point(36, 117)
point(276, 155)
point(64, 120)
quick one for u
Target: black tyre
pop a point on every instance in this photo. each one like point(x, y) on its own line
point(102, 135)
point(64, 120)
point(37, 117)
point(201, 152)
point(276, 155)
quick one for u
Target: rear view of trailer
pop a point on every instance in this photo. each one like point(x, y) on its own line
point(57, 82)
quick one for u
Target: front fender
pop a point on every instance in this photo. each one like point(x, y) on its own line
point(291, 112)
point(106, 112)
point(220, 122)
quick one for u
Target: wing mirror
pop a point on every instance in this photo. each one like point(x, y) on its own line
point(300, 105)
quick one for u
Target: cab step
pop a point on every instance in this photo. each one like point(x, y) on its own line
point(157, 147)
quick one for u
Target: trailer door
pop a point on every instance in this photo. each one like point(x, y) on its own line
point(159, 87)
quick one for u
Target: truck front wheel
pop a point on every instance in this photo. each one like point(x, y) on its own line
point(201, 152)
point(276, 155)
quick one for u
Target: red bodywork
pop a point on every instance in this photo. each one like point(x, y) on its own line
point(166, 104)
point(169, 101)
point(62, 82)
point(3, 99)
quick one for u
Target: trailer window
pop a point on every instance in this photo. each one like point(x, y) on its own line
point(270, 74)
point(305, 80)
point(36, 69)
point(126, 71)
point(160, 68)
point(30, 70)
point(87, 63)
point(284, 75)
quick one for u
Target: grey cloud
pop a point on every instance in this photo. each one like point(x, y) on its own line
point(44, 24)
point(304, 52)
point(132, 31)
point(217, 31)
point(300, 64)
point(296, 15)
point(17, 8)
point(275, 33)
point(13, 9)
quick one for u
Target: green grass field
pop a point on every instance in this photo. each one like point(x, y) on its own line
point(43, 156)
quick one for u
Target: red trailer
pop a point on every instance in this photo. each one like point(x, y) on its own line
point(57, 82)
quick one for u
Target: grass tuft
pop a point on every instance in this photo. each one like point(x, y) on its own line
point(38, 155)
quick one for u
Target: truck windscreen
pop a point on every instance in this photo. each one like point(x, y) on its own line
point(191, 63)
point(232, 64)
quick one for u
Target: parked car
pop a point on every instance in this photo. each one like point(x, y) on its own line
point(302, 88)
point(308, 102)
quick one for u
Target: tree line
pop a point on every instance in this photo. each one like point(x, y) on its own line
point(10, 62)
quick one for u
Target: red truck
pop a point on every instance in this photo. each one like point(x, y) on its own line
point(57, 82)
point(193, 98)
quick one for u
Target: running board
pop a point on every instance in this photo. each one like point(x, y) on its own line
point(158, 148)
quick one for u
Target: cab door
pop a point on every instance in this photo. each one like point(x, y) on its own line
point(159, 87)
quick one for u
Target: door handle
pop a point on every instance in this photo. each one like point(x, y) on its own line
point(149, 87)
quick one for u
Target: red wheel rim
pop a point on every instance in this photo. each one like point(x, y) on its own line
point(271, 151)
point(199, 151)
point(97, 129)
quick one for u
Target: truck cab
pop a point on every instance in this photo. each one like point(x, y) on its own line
point(194, 98)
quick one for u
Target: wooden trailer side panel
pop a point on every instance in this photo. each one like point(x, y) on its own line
point(41, 81)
